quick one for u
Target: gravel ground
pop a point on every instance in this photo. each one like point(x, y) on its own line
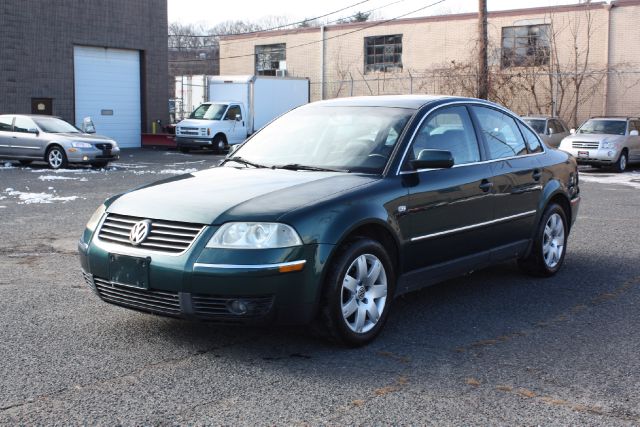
point(495, 347)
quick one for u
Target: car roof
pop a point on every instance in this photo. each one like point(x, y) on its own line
point(620, 118)
point(541, 117)
point(30, 115)
point(394, 101)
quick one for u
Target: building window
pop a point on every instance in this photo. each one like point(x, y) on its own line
point(383, 53)
point(271, 59)
point(526, 45)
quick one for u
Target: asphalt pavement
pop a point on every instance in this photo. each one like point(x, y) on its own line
point(492, 348)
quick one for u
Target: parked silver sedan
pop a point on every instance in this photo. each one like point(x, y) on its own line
point(551, 129)
point(606, 141)
point(35, 137)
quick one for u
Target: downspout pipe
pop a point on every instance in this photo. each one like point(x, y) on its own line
point(322, 62)
point(607, 44)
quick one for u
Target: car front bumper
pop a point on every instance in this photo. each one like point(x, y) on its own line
point(600, 156)
point(280, 285)
point(89, 155)
point(193, 141)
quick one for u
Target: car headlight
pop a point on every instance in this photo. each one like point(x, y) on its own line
point(81, 145)
point(607, 144)
point(254, 235)
point(95, 218)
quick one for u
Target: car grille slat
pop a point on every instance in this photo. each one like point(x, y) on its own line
point(163, 302)
point(164, 236)
point(587, 145)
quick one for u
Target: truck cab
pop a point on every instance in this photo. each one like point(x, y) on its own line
point(213, 125)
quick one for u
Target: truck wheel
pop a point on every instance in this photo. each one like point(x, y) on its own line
point(99, 165)
point(219, 144)
point(184, 150)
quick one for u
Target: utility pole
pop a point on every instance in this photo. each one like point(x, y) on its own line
point(483, 68)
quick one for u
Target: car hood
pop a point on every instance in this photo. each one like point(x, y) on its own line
point(222, 194)
point(195, 123)
point(84, 137)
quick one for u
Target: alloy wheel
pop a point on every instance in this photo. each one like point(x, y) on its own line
point(364, 293)
point(553, 241)
point(55, 158)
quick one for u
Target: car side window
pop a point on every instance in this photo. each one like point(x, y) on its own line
point(532, 139)
point(634, 125)
point(448, 129)
point(500, 132)
point(561, 127)
point(5, 123)
point(23, 124)
point(232, 112)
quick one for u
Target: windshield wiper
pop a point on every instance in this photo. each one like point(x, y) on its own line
point(299, 167)
point(244, 162)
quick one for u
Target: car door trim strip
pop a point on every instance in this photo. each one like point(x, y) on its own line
point(473, 226)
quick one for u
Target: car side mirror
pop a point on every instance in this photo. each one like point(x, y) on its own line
point(572, 131)
point(34, 131)
point(551, 131)
point(238, 117)
point(633, 133)
point(88, 126)
point(432, 159)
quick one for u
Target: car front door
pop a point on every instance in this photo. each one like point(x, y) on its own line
point(6, 123)
point(236, 124)
point(517, 178)
point(26, 143)
point(447, 209)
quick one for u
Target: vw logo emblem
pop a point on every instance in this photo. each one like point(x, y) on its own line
point(139, 232)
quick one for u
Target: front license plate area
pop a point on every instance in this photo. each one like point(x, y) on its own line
point(129, 271)
point(584, 154)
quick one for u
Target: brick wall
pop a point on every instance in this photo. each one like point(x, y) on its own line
point(36, 49)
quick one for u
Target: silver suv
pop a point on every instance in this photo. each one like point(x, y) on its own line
point(35, 137)
point(605, 141)
point(551, 129)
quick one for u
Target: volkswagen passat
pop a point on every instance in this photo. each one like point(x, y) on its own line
point(333, 210)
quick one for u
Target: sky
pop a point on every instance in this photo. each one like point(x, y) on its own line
point(210, 12)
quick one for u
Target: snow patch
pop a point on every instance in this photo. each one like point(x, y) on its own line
point(53, 177)
point(7, 165)
point(631, 179)
point(31, 198)
point(177, 171)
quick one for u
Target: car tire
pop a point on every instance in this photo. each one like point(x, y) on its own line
point(621, 165)
point(56, 158)
point(184, 150)
point(549, 245)
point(25, 162)
point(219, 144)
point(99, 165)
point(354, 308)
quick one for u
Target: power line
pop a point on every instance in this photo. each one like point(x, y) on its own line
point(273, 28)
point(377, 23)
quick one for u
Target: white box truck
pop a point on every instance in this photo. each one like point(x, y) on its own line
point(237, 107)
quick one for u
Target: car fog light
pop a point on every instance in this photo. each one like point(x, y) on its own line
point(85, 158)
point(238, 307)
point(611, 153)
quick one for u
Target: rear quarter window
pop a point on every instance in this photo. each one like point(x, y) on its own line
point(532, 139)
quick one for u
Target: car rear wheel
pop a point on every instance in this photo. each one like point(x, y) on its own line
point(358, 292)
point(56, 157)
point(621, 164)
point(549, 245)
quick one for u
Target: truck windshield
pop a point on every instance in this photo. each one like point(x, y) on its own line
point(609, 127)
point(536, 124)
point(355, 139)
point(54, 125)
point(209, 112)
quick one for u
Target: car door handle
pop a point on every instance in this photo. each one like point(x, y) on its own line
point(537, 174)
point(485, 185)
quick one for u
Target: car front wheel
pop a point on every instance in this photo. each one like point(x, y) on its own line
point(358, 292)
point(621, 164)
point(549, 245)
point(56, 157)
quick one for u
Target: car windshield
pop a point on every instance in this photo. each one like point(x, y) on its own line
point(209, 112)
point(609, 127)
point(536, 124)
point(54, 125)
point(355, 139)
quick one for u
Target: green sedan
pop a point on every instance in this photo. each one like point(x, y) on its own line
point(334, 209)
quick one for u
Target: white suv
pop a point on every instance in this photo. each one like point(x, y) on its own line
point(605, 141)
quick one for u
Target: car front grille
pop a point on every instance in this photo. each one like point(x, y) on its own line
point(188, 131)
point(160, 302)
point(206, 306)
point(164, 236)
point(104, 146)
point(587, 145)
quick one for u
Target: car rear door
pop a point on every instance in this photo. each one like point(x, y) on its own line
point(6, 123)
point(634, 142)
point(447, 209)
point(25, 142)
point(516, 176)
